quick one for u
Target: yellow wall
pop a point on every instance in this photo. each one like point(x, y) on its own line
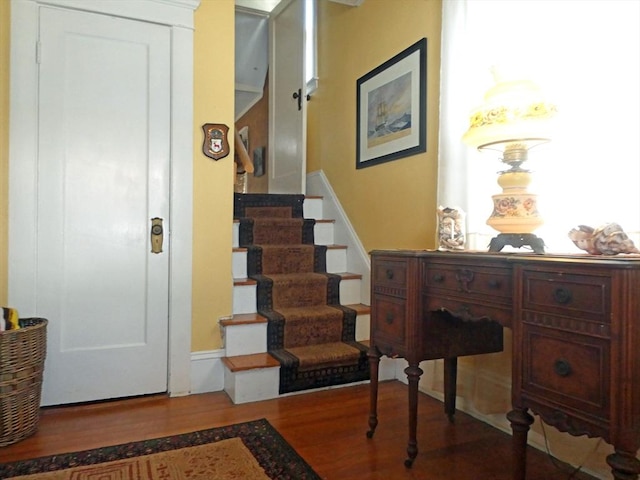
point(391, 205)
point(214, 84)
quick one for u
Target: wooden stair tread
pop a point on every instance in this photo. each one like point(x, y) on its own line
point(244, 281)
point(243, 319)
point(349, 275)
point(360, 308)
point(249, 362)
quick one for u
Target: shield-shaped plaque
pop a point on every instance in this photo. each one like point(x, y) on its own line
point(215, 144)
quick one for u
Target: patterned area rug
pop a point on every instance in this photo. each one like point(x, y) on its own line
point(309, 332)
point(245, 451)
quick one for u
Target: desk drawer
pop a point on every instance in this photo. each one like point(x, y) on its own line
point(390, 277)
point(388, 324)
point(474, 280)
point(469, 311)
point(583, 296)
point(571, 370)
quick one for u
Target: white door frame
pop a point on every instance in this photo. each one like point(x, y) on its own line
point(23, 155)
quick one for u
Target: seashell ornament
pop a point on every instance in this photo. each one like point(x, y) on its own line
point(451, 228)
point(608, 239)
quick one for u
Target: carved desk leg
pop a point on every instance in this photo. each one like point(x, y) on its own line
point(374, 363)
point(624, 465)
point(413, 372)
point(450, 381)
point(520, 420)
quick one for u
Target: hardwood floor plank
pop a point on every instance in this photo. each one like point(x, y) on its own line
point(327, 428)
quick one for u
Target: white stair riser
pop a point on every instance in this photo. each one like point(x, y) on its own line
point(245, 339)
point(244, 299)
point(350, 291)
point(312, 208)
point(239, 264)
point(252, 385)
point(336, 260)
point(363, 324)
point(236, 235)
point(322, 232)
point(235, 337)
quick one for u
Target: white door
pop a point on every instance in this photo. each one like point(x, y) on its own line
point(288, 106)
point(103, 170)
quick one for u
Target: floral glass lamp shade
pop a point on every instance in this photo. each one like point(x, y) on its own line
point(514, 118)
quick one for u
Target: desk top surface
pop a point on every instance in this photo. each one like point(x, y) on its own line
point(618, 261)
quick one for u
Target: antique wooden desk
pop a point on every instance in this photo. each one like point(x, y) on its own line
point(576, 334)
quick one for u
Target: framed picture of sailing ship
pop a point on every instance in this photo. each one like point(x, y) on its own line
point(391, 108)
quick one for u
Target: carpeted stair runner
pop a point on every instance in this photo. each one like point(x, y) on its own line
point(309, 332)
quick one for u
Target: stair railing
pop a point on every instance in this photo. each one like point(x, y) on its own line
point(243, 163)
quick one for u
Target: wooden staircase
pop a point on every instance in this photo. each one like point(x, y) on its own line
point(251, 374)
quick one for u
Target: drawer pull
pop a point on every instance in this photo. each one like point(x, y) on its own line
point(389, 274)
point(464, 277)
point(493, 283)
point(562, 368)
point(389, 318)
point(438, 277)
point(562, 295)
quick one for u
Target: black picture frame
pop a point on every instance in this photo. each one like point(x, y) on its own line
point(391, 108)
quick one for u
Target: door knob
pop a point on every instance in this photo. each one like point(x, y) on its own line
point(157, 235)
point(298, 95)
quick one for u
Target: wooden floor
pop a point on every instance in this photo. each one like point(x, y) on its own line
point(327, 428)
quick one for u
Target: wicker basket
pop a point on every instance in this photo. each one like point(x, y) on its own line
point(22, 354)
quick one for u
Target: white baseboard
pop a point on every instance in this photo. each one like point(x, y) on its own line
point(207, 371)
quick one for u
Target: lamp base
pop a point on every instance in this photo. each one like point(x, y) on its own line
point(516, 240)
